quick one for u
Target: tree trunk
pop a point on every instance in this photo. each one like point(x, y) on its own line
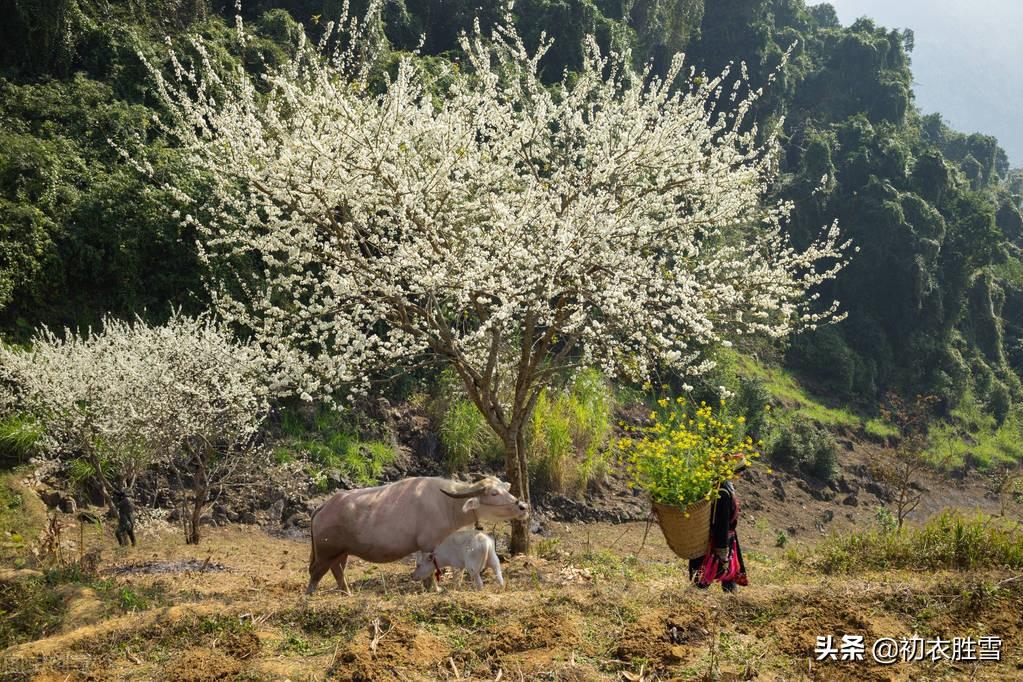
point(518, 477)
point(200, 490)
point(104, 487)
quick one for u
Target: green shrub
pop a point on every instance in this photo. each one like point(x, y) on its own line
point(19, 435)
point(948, 541)
point(886, 521)
point(804, 445)
point(568, 435)
point(328, 441)
point(751, 401)
point(464, 433)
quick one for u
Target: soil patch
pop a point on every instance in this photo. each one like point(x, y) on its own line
point(189, 565)
point(388, 649)
point(202, 665)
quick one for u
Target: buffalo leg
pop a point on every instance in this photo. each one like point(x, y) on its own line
point(337, 567)
point(317, 568)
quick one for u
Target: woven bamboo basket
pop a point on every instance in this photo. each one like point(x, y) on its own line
point(686, 535)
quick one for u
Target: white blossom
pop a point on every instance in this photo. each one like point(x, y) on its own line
point(509, 228)
point(131, 395)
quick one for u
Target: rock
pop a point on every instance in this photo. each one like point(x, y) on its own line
point(297, 520)
point(846, 486)
point(247, 517)
point(823, 494)
point(275, 512)
point(537, 525)
point(67, 504)
point(851, 501)
point(875, 488)
point(51, 498)
point(778, 489)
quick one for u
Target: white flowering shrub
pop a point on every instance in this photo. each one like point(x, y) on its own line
point(185, 395)
point(509, 228)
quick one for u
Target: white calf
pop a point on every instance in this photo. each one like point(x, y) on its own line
point(468, 550)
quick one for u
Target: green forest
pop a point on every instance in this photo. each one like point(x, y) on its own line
point(934, 296)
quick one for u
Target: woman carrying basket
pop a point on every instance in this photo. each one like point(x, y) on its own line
point(723, 560)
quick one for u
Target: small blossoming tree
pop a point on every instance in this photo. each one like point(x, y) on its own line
point(185, 395)
point(510, 229)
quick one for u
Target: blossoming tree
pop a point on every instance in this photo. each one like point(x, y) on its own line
point(511, 229)
point(185, 396)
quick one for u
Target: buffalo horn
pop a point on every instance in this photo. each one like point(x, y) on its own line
point(471, 491)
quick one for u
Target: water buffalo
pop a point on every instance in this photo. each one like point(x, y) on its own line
point(389, 522)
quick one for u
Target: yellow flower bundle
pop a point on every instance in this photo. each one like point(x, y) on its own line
point(686, 453)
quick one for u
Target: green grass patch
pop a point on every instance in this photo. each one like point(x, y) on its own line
point(465, 435)
point(336, 621)
point(879, 429)
point(19, 436)
point(454, 614)
point(326, 440)
point(22, 518)
point(797, 400)
point(948, 541)
point(973, 435)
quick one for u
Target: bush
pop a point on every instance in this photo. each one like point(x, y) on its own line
point(804, 445)
point(19, 435)
point(568, 435)
point(948, 541)
point(464, 433)
point(751, 401)
point(328, 440)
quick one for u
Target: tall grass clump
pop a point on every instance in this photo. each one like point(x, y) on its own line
point(568, 435)
point(19, 435)
point(948, 541)
point(464, 434)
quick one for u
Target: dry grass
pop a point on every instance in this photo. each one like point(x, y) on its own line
point(602, 609)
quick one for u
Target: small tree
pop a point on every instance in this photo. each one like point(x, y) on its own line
point(206, 403)
point(899, 468)
point(85, 390)
point(512, 230)
point(131, 396)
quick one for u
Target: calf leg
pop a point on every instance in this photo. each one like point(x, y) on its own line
point(495, 565)
point(337, 567)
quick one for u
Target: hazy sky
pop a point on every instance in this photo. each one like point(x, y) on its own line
point(967, 61)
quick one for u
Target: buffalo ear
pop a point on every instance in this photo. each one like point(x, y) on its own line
point(471, 504)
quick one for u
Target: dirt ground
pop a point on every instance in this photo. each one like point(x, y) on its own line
point(596, 603)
